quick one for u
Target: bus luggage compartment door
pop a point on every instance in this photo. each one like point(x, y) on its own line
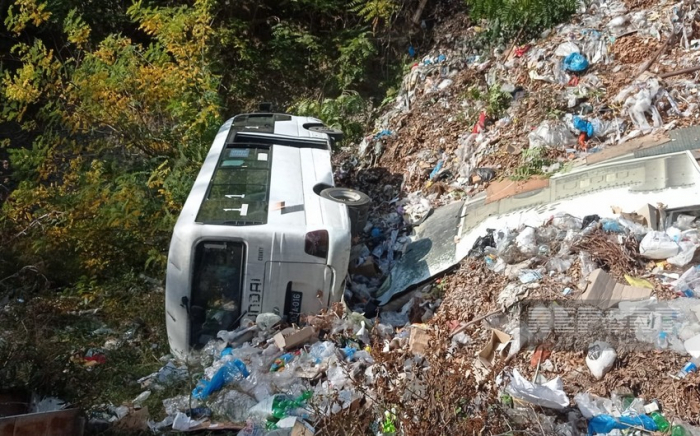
point(297, 288)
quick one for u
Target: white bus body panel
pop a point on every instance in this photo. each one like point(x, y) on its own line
point(274, 251)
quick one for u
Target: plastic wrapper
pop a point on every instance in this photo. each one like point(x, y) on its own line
point(252, 429)
point(529, 276)
point(566, 48)
point(688, 283)
point(551, 134)
point(527, 241)
point(179, 403)
point(511, 294)
point(183, 422)
point(233, 404)
point(320, 351)
point(685, 222)
point(567, 222)
point(550, 394)
point(591, 405)
point(560, 265)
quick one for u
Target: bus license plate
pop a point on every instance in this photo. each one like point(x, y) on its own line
point(292, 307)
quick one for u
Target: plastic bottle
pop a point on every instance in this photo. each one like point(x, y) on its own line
point(283, 406)
point(661, 422)
point(661, 341)
point(678, 430)
point(689, 367)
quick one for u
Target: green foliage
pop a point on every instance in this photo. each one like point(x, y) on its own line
point(374, 11)
point(498, 102)
point(510, 17)
point(120, 129)
point(355, 53)
point(344, 113)
point(531, 162)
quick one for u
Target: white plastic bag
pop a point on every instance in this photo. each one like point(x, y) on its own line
point(658, 245)
point(600, 359)
point(183, 422)
point(685, 256)
point(566, 48)
point(550, 394)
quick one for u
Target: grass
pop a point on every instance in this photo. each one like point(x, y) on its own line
point(45, 335)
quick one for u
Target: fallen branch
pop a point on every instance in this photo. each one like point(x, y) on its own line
point(419, 12)
point(679, 72)
point(645, 66)
point(474, 321)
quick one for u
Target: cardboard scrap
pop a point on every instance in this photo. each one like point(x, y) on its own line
point(367, 269)
point(496, 347)
point(647, 216)
point(603, 292)
point(499, 190)
point(302, 428)
point(651, 216)
point(641, 143)
point(419, 339)
point(293, 337)
point(135, 420)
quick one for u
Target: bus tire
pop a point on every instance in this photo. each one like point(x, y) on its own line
point(349, 197)
point(357, 203)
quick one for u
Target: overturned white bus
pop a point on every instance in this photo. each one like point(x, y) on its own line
point(263, 230)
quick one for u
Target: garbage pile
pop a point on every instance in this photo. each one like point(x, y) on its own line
point(618, 71)
point(581, 325)
point(605, 312)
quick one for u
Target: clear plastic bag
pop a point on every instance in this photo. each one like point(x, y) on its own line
point(233, 404)
point(551, 134)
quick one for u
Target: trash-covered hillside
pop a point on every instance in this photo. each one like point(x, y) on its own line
point(576, 323)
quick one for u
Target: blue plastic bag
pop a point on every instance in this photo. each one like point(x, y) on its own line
point(436, 170)
point(584, 126)
point(612, 226)
point(602, 424)
point(575, 62)
point(232, 370)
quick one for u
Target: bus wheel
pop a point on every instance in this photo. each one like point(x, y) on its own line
point(346, 196)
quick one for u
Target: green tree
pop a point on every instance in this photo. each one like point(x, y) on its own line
point(120, 130)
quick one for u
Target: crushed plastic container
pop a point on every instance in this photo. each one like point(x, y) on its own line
point(229, 372)
point(603, 424)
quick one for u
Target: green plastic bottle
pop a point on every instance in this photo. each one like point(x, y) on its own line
point(661, 422)
point(677, 430)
